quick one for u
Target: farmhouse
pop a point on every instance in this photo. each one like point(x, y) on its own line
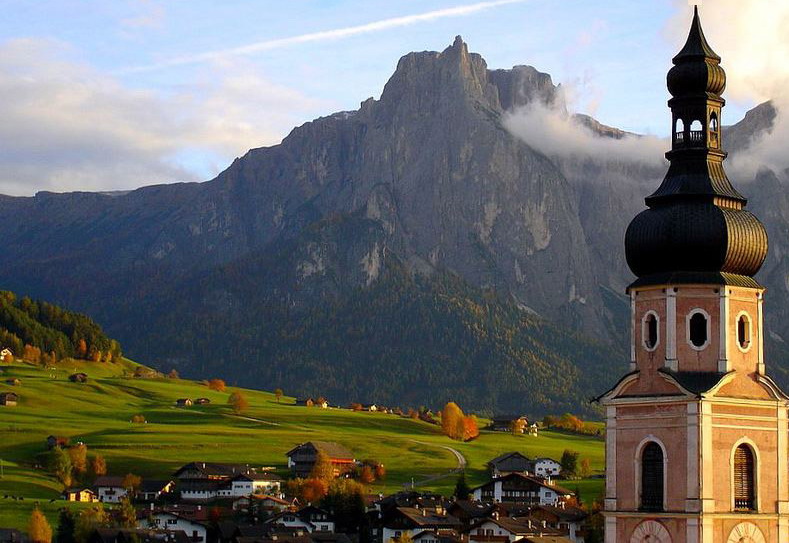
point(202, 401)
point(166, 520)
point(14, 382)
point(410, 521)
point(301, 459)
point(57, 441)
point(313, 402)
point(78, 377)
point(504, 423)
point(6, 355)
point(507, 530)
point(151, 490)
point(206, 481)
point(310, 518)
point(546, 468)
point(79, 494)
point(183, 402)
point(9, 399)
point(110, 489)
point(519, 488)
point(511, 462)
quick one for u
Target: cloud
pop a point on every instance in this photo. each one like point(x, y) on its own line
point(339, 33)
point(551, 131)
point(752, 40)
point(148, 15)
point(67, 126)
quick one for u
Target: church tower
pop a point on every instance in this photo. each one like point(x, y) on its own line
point(696, 443)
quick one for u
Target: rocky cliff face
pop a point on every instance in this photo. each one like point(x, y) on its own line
point(426, 177)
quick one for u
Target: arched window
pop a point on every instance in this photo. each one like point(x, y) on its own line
point(679, 130)
point(744, 331)
point(652, 477)
point(713, 122)
point(744, 479)
point(695, 125)
point(649, 331)
point(698, 332)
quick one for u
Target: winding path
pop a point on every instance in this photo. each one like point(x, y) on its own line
point(461, 460)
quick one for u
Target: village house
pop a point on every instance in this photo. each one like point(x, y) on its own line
point(80, 494)
point(508, 530)
point(546, 468)
point(202, 401)
point(323, 403)
point(267, 505)
point(207, 481)
point(166, 520)
point(511, 462)
point(57, 441)
point(151, 490)
point(78, 377)
point(6, 355)
point(504, 423)
point(9, 399)
point(410, 521)
point(568, 519)
point(301, 459)
point(310, 518)
point(184, 402)
point(110, 488)
point(126, 535)
point(520, 488)
point(470, 511)
point(14, 382)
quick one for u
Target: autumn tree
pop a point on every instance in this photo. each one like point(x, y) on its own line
point(38, 528)
point(98, 466)
point(323, 468)
point(131, 482)
point(470, 429)
point(126, 515)
point(173, 374)
point(380, 472)
point(585, 468)
point(278, 394)
point(452, 421)
point(78, 454)
point(346, 499)
point(238, 403)
point(138, 419)
point(366, 475)
point(517, 426)
point(90, 519)
point(82, 348)
point(216, 384)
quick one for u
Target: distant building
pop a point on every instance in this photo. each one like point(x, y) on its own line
point(511, 462)
point(546, 468)
point(6, 355)
point(78, 377)
point(310, 518)
point(206, 481)
point(503, 423)
point(301, 459)
point(9, 399)
point(152, 489)
point(110, 488)
point(57, 441)
point(80, 494)
point(565, 518)
point(202, 401)
point(411, 521)
point(169, 521)
point(13, 381)
point(519, 488)
point(184, 402)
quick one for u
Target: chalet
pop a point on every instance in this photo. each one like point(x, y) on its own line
point(126, 535)
point(511, 462)
point(470, 511)
point(508, 530)
point(503, 423)
point(80, 494)
point(519, 488)
point(57, 441)
point(568, 519)
point(207, 481)
point(202, 401)
point(12, 535)
point(14, 382)
point(410, 521)
point(370, 407)
point(9, 399)
point(184, 402)
point(301, 459)
point(169, 521)
point(211, 471)
point(314, 402)
point(262, 503)
point(306, 402)
point(6, 355)
point(110, 489)
point(310, 518)
point(151, 489)
point(546, 468)
point(78, 377)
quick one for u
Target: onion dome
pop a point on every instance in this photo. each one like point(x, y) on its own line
point(696, 229)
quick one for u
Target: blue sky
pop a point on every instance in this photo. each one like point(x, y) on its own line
point(113, 95)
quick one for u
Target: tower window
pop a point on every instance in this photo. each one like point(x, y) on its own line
point(649, 331)
point(652, 477)
point(698, 332)
point(744, 479)
point(744, 331)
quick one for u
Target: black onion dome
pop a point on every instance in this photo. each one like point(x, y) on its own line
point(695, 229)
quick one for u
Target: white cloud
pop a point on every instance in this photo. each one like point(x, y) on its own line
point(67, 126)
point(148, 15)
point(338, 33)
point(554, 133)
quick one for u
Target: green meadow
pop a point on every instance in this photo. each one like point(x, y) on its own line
point(98, 413)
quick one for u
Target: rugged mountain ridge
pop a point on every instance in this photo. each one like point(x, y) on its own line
point(421, 189)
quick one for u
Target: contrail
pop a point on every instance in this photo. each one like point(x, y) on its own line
point(335, 34)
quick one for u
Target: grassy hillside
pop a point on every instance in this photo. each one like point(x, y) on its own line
point(98, 414)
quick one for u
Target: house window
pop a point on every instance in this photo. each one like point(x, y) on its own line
point(698, 329)
point(649, 331)
point(744, 479)
point(652, 477)
point(744, 331)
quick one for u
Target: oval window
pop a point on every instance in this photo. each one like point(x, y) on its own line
point(650, 331)
point(698, 330)
point(744, 331)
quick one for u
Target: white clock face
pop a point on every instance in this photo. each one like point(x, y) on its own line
point(650, 531)
point(746, 532)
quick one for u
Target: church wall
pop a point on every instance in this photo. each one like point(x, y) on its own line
point(689, 299)
point(744, 300)
point(675, 526)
